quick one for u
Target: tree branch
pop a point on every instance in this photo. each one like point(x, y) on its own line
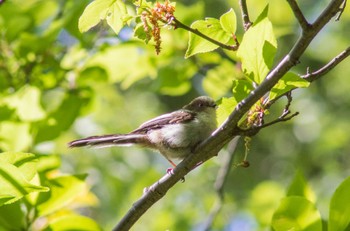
point(228, 130)
point(178, 24)
point(328, 67)
point(298, 14)
point(245, 16)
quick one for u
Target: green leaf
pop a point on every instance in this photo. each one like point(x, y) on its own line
point(257, 49)
point(225, 107)
point(48, 162)
point(228, 22)
point(241, 89)
point(26, 101)
point(174, 80)
point(117, 16)
point(25, 162)
point(297, 214)
point(299, 187)
point(63, 190)
point(124, 70)
point(12, 217)
point(288, 82)
point(112, 10)
point(218, 81)
point(14, 184)
point(63, 117)
point(15, 136)
point(210, 27)
point(73, 222)
point(339, 211)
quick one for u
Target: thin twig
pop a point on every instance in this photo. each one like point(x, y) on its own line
point(254, 130)
point(245, 16)
point(298, 14)
point(312, 76)
point(178, 24)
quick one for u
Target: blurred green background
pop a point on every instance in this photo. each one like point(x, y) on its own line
point(57, 85)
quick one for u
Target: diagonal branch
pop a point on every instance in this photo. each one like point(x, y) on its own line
point(328, 67)
point(228, 130)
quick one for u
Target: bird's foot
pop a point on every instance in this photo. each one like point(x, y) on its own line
point(170, 171)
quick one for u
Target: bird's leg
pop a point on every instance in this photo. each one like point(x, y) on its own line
point(170, 171)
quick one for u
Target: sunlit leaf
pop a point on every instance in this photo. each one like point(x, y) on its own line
point(94, 13)
point(73, 222)
point(241, 89)
point(13, 183)
point(218, 80)
point(228, 22)
point(48, 162)
point(210, 27)
point(225, 107)
point(63, 190)
point(113, 11)
point(264, 200)
point(26, 101)
point(117, 16)
point(25, 162)
point(288, 82)
point(339, 211)
point(123, 70)
point(296, 213)
point(299, 187)
point(15, 136)
point(257, 49)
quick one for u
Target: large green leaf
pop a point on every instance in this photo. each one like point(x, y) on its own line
point(114, 11)
point(210, 27)
point(94, 13)
point(257, 49)
point(117, 16)
point(228, 22)
point(13, 185)
point(241, 89)
point(12, 217)
point(298, 214)
point(26, 101)
point(339, 211)
point(121, 69)
point(63, 190)
point(225, 107)
point(288, 82)
point(73, 222)
point(299, 187)
point(25, 162)
point(15, 136)
point(218, 81)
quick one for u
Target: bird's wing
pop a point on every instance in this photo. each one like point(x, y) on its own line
point(181, 116)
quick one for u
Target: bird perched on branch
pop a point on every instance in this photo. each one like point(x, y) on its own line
point(174, 135)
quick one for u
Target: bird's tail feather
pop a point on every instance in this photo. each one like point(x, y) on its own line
point(109, 140)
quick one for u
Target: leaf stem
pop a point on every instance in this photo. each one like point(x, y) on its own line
point(178, 24)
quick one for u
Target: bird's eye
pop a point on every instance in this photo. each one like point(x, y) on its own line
point(200, 105)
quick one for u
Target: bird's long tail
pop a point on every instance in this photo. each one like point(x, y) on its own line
point(110, 140)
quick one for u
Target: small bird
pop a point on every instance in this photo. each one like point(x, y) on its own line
point(174, 135)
